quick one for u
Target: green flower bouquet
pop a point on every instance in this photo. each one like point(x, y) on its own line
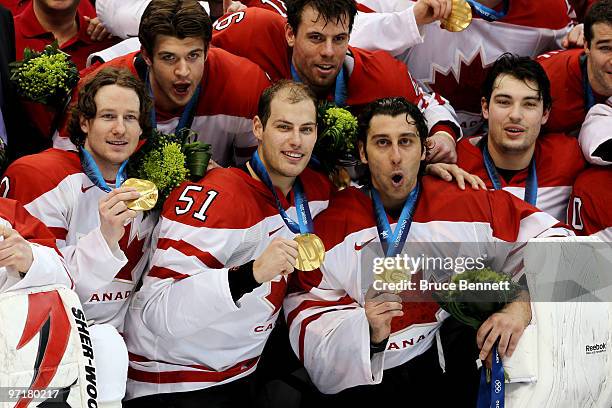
point(46, 77)
point(335, 145)
point(473, 306)
point(168, 160)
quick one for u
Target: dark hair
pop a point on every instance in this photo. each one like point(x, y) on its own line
point(86, 104)
point(522, 68)
point(298, 92)
point(329, 10)
point(600, 12)
point(174, 18)
point(394, 106)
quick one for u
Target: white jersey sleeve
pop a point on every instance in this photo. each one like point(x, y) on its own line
point(595, 131)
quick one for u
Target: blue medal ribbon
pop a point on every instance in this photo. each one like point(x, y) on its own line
point(393, 241)
point(340, 92)
point(186, 117)
point(589, 96)
point(304, 224)
point(91, 170)
point(487, 13)
point(492, 395)
point(531, 188)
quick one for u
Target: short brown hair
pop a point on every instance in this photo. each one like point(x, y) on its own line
point(86, 104)
point(174, 18)
point(298, 92)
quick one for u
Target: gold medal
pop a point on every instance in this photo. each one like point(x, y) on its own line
point(459, 18)
point(396, 276)
point(148, 194)
point(311, 252)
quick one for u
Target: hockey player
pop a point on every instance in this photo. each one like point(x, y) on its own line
point(582, 78)
point(77, 195)
point(588, 211)
point(348, 332)
point(312, 46)
point(198, 325)
point(193, 85)
point(514, 156)
point(28, 255)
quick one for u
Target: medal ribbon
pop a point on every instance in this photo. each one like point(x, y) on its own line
point(340, 92)
point(589, 97)
point(487, 13)
point(531, 189)
point(186, 118)
point(492, 395)
point(393, 241)
point(93, 172)
point(304, 224)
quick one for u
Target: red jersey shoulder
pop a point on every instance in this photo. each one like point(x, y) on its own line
point(552, 14)
point(266, 45)
point(588, 210)
point(222, 93)
point(124, 61)
point(28, 226)
point(349, 211)
point(469, 155)
point(376, 74)
point(317, 185)
point(276, 6)
point(31, 176)
point(224, 198)
point(555, 148)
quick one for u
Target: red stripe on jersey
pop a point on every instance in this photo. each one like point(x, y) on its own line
point(165, 273)
point(142, 359)
point(191, 376)
point(346, 300)
point(364, 9)
point(305, 323)
point(189, 250)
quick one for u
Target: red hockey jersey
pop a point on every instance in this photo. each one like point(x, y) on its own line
point(589, 211)
point(224, 110)
point(558, 163)
point(371, 74)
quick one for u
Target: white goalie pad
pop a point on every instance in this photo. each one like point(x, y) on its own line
point(569, 354)
point(45, 349)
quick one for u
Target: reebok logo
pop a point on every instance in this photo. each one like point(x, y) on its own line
point(84, 189)
point(595, 348)
point(363, 244)
point(272, 232)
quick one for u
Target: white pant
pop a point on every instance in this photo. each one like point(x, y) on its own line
point(111, 358)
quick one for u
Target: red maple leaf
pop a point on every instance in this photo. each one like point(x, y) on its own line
point(132, 251)
point(463, 93)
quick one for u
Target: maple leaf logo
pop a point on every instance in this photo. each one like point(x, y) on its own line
point(461, 89)
point(133, 252)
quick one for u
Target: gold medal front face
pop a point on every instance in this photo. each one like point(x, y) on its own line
point(311, 252)
point(459, 18)
point(394, 275)
point(148, 194)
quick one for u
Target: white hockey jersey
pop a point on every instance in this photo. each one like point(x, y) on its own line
point(52, 186)
point(325, 312)
point(529, 29)
point(183, 330)
point(48, 267)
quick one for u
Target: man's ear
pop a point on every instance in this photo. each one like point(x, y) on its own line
point(485, 108)
point(84, 124)
point(362, 153)
point(258, 128)
point(145, 55)
point(289, 35)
